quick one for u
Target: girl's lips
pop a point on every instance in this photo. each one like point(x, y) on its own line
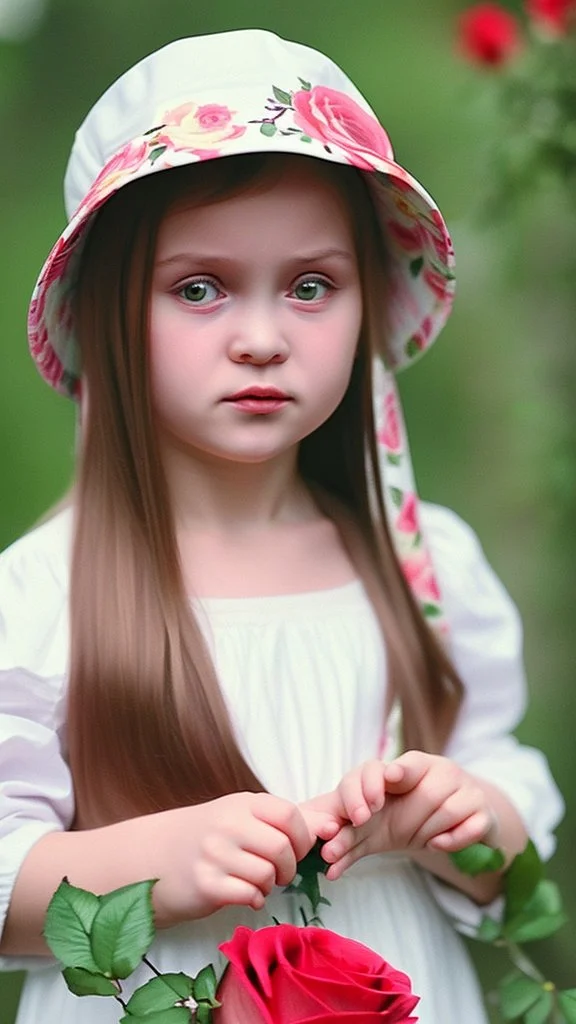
point(259, 400)
point(252, 404)
point(258, 392)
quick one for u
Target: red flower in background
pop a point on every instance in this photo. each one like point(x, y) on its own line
point(488, 34)
point(552, 15)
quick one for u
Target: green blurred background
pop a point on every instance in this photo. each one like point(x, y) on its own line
point(489, 410)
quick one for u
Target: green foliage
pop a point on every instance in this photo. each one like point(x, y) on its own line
point(307, 882)
point(85, 983)
point(68, 923)
point(101, 940)
point(123, 929)
point(283, 97)
point(160, 993)
point(478, 859)
point(567, 1001)
point(532, 910)
point(518, 994)
point(522, 877)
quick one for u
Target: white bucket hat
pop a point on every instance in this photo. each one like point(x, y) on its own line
point(249, 91)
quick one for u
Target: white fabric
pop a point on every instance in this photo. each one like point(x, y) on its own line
point(305, 678)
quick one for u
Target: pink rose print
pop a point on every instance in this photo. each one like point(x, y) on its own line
point(332, 117)
point(420, 339)
point(199, 130)
point(121, 165)
point(390, 435)
point(408, 236)
point(211, 116)
point(437, 283)
point(419, 574)
point(407, 521)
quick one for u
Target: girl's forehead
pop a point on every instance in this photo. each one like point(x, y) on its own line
point(298, 205)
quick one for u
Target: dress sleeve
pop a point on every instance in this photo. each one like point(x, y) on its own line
point(486, 648)
point(35, 784)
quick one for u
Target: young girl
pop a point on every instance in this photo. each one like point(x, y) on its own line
point(219, 651)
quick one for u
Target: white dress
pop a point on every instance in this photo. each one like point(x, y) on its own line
point(305, 679)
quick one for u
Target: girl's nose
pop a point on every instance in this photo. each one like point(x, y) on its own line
point(258, 338)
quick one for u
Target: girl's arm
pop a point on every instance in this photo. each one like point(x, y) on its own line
point(229, 851)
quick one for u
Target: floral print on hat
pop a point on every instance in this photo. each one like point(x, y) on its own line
point(341, 130)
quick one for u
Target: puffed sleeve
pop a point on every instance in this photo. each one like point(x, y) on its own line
point(35, 783)
point(486, 647)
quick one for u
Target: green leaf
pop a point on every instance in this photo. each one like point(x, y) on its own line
point(312, 865)
point(123, 929)
point(521, 879)
point(431, 611)
point(305, 85)
point(305, 138)
point(488, 930)
point(412, 348)
point(282, 96)
point(541, 915)
point(155, 153)
point(204, 987)
point(69, 918)
point(478, 858)
point(393, 460)
point(540, 1012)
point(567, 1001)
point(517, 994)
point(397, 495)
point(416, 265)
point(84, 983)
point(177, 1015)
point(539, 928)
point(268, 129)
point(160, 994)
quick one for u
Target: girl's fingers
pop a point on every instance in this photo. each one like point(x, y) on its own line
point(475, 829)
point(373, 785)
point(352, 853)
point(320, 825)
point(407, 771)
point(286, 819)
point(454, 809)
point(362, 792)
point(254, 870)
point(238, 892)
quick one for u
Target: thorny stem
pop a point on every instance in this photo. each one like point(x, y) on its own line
point(149, 964)
point(521, 961)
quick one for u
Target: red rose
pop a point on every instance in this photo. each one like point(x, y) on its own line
point(554, 16)
point(488, 34)
point(290, 975)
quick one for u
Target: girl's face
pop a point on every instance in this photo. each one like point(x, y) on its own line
point(255, 316)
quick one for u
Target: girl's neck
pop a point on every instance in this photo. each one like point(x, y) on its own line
point(219, 496)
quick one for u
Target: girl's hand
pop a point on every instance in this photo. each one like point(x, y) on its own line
point(430, 802)
point(228, 851)
point(357, 797)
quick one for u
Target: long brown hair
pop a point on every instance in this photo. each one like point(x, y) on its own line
point(148, 728)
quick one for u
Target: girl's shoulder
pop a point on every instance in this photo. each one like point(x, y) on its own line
point(473, 595)
point(38, 563)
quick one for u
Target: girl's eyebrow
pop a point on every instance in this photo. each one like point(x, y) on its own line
point(316, 256)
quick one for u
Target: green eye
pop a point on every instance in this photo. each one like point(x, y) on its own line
point(311, 290)
point(198, 292)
